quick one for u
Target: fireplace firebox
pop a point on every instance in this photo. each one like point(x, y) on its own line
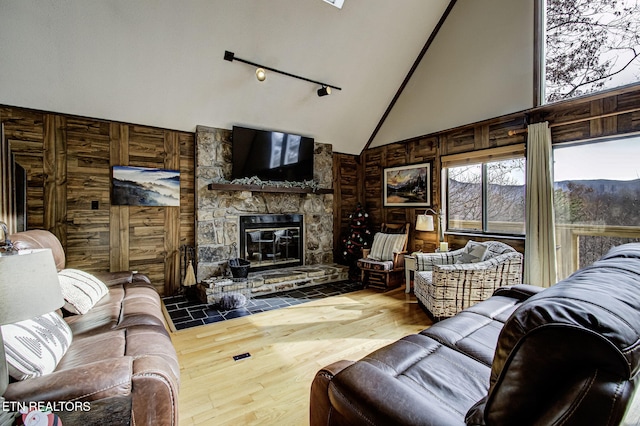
point(272, 240)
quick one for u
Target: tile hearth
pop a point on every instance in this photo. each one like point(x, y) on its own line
point(270, 290)
point(186, 312)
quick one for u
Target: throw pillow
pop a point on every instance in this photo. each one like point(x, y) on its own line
point(384, 245)
point(473, 253)
point(34, 347)
point(80, 290)
point(377, 246)
point(393, 244)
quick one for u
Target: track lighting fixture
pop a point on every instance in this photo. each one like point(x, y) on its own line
point(324, 91)
point(261, 74)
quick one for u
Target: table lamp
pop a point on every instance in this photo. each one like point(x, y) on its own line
point(29, 287)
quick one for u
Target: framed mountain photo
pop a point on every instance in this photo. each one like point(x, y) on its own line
point(142, 186)
point(407, 186)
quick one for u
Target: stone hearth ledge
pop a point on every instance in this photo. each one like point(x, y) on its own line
point(283, 279)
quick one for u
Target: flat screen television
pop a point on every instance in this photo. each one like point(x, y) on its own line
point(271, 155)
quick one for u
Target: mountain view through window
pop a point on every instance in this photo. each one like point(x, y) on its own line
point(597, 198)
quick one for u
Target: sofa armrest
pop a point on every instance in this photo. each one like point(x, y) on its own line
point(426, 261)
point(321, 413)
point(121, 277)
point(398, 259)
point(155, 389)
point(89, 382)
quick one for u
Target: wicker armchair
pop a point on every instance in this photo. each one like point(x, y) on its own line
point(445, 285)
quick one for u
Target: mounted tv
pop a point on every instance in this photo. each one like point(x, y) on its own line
point(271, 155)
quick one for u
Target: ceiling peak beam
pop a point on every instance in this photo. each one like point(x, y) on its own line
point(426, 46)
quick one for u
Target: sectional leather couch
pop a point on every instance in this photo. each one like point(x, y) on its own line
point(120, 358)
point(566, 355)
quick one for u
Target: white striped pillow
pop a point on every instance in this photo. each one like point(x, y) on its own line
point(385, 245)
point(80, 290)
point(377, 246)
point(34, 347)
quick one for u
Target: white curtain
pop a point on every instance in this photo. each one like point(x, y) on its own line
point(540, 246)
point(7, 195)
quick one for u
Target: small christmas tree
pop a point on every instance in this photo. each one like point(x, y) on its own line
point(358, 238)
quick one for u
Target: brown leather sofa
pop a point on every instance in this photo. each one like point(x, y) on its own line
point(120, 358)
point(569, 355)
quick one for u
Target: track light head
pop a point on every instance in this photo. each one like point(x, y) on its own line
point(324, 91)
point(261, 74)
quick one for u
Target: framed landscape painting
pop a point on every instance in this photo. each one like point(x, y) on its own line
point(142, 186)
point(408, 186)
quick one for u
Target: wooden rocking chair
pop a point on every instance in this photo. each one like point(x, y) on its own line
point(382, 266)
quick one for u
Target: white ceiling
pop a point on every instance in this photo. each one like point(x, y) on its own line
point(160, 63)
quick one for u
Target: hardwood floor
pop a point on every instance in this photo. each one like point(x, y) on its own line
point(287, 346)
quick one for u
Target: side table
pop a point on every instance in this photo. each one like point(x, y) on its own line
point(410, 265)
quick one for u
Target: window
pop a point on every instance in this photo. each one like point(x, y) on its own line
point(597, 199)
point(486, 194)
point(590, 46)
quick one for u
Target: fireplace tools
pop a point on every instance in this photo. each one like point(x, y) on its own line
point(187, 272)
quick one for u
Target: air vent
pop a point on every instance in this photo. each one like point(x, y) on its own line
point(336, 3)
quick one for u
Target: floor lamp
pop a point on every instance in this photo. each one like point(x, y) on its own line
point(29, 287)
point(424, 222)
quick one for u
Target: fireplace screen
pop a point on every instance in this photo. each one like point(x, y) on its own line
point(271, 241)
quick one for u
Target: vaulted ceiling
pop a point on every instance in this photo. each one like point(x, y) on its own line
point(160, 63)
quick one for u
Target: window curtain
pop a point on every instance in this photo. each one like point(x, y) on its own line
point(540, 244)
point(7, 194)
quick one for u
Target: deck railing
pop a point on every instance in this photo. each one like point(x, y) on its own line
point(574, 252)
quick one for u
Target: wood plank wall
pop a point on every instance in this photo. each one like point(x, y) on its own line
point(347, 178)
point(68, 160)
point(565, 119)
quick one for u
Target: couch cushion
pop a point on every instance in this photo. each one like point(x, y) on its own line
point(34, 347)
point(475, 331)
point(91, 348)
point(415, 380)
point(80, 290)
point(103, 316)
point(375, 265)
point(141, 305)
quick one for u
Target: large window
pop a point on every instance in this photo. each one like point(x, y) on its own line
point(597, 199)
point(487, 197)
point(591, 45)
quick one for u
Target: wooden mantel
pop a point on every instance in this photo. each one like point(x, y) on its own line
point(260, 188)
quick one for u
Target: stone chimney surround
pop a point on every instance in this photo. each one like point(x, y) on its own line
point(218, 211)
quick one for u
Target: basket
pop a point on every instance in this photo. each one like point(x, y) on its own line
point(225, 290)
point(239, 268)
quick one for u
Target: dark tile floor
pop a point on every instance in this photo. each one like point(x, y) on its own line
point(188, 312)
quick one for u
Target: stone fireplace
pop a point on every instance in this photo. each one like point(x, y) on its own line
point(272, 241)
point(220, 213)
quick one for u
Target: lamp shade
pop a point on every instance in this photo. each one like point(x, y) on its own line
point(29, 285)
point(424, 223)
